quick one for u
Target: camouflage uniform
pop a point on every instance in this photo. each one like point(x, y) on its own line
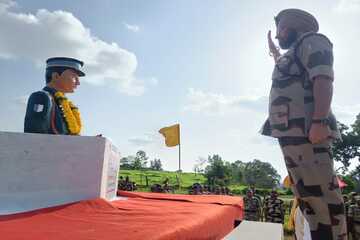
point(349, 223)
point(291, 107)
point(274, 210)
point(252, 209)
point(354, 217)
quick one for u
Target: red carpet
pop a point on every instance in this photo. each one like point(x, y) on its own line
point(141, 216)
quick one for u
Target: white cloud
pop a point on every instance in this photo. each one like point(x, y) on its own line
point(131, 27)
point(214, 103)
point(346, 114)
point(45, 34)
point(347, 6)
point(144, 140)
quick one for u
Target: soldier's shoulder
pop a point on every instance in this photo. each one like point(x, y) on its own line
point(39, 96)
point(353, 206)
point(38, 104)
point(314, 40)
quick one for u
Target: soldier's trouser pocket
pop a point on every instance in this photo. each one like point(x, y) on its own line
point(279, 117)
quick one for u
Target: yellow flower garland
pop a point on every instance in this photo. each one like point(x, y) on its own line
point(71, 113)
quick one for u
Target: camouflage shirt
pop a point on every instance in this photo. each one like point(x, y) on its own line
point(274, 210)
point(354, 213)
point(291, 103)
point(252, 209)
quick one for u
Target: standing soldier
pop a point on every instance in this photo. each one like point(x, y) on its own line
point(257, 196)
point(300, 117)
point(354, 218)
point(252, 207)
point(274, 209)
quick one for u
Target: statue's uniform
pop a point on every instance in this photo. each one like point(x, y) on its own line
point(252, 209)
point(291, 108)
point(43, 114)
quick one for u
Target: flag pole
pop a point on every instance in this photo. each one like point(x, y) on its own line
point(179, 157)
point(179, 151)
point(179, 160)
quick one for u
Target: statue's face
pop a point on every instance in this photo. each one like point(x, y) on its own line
point(68, 81)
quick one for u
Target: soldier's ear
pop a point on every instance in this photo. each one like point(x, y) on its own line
point(55, 76)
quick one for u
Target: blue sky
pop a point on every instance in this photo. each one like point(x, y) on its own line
point(150, 64)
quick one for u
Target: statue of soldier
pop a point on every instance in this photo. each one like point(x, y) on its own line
point(49, 111)
point(252, 207)
point(274, 208)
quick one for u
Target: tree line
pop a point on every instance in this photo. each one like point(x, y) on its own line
point(140, 162)
point(254, 173)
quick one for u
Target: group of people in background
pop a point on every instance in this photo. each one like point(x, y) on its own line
point(126, 184)
point(352, 211)
point(271, 209)
point(164, 188)
point(198, 189)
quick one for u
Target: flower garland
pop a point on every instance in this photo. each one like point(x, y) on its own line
point(70, 112)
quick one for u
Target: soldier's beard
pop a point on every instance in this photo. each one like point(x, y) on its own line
point(285, 43)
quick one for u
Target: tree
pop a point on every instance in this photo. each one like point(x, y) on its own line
point(261, 174)
point(348, 147)
point(350, 182)
point(199, 166)
point(140, 160)
point(237, 171)
point(156, 165)
point(217, 172)
point(127, 162)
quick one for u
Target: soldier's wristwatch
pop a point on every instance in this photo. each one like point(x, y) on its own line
point(323, 121)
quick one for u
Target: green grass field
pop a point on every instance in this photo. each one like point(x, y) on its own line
point(184, 179)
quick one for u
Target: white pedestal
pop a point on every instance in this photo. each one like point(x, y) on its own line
point(39, 170)
point(248, 230)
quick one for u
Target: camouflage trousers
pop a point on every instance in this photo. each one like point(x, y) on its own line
point(356, 232)
point(311, 170)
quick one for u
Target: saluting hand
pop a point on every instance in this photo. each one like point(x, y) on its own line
point(318, 133)
point(273, 49)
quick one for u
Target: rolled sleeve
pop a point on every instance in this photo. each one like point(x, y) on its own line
point(316, 56)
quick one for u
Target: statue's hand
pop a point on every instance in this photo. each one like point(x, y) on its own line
point(273, 49)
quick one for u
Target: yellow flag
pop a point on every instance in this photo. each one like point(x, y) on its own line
point(171, 134)
point(287, 182)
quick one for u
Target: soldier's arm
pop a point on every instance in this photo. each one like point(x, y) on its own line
point(38, 113)
point(317, 57)
point(258, 208)
point(265, 210)
point(282, 209)
point(323, 91)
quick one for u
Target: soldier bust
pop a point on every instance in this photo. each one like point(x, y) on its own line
point(49, 111)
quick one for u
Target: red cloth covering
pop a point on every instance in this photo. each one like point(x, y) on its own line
point(141, 216)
